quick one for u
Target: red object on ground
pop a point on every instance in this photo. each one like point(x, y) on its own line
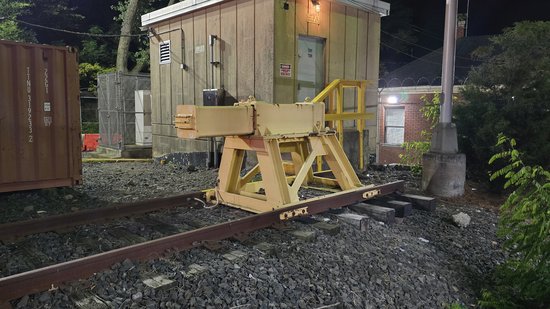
point(89, 142)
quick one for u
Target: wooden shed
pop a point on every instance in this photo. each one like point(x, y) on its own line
point(278, 51)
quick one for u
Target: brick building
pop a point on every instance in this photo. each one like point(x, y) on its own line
point(400, 119)
point(400, 92)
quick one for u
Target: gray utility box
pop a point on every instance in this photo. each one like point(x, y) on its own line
point(213, 97)
point(144, 134)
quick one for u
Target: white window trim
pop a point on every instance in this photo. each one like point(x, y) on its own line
point(386, 126)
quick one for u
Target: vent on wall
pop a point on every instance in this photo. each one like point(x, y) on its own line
point(164, 48)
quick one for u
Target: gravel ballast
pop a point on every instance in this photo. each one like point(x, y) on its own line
point(425, 261)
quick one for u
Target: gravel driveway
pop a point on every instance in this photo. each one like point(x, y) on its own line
point(423, 262)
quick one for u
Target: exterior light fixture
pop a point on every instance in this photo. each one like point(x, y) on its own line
point(317, 5)
point(392, 99)
point(286, 6)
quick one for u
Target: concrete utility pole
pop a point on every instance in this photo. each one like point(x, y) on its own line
point(448, 65)
point(444, 169)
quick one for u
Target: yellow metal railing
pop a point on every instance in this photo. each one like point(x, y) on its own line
point(336, 115)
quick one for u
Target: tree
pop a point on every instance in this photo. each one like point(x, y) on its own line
point(130, 12)
point(88, 75)
point(97, 49)
point(508, 93)
point(523, 280)
point(128, 20)
point(9, 28)
point(414, 150)
point(55, 14)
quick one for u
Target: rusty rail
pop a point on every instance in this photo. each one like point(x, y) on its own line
point(34, 281)
point(14, 230)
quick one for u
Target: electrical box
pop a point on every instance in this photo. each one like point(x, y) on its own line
point(144, 134)
point(213, 97)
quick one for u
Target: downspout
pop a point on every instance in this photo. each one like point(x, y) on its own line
point(213, 143)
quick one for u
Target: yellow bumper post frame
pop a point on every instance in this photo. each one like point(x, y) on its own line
point(301, 137)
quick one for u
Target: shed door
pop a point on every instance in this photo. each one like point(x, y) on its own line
point(311, 67)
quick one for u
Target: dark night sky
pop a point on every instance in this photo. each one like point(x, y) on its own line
point(486, 16)
point(491, 16)
point(427, 19)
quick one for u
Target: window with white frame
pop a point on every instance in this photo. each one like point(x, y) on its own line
point(164, 52)
point(394, 126)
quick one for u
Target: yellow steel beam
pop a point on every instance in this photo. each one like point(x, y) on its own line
point(340, 110)
point(194, 121)
point(327, 91)
point(251, 174)
point(361, 92)
point(337, 116)
point(316, 149)
point(349, 116)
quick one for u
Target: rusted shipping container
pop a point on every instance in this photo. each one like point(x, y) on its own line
point(39, 117)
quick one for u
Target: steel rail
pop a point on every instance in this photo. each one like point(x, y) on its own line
point(38, 280)
point(14, 230)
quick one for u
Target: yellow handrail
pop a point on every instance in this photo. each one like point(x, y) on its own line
point(335, 94)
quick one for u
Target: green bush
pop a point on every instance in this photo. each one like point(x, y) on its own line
point(414, 150)
point(88, 75)
point(523, 281)
point(90, 127)
point(508, 93)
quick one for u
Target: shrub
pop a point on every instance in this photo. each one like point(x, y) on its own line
point(508, 93)
point(90, 127)
point(524, 279)
point(88, 75)
point(414, 150)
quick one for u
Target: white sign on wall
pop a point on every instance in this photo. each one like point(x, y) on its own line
point(199, 49)
point(285, 70)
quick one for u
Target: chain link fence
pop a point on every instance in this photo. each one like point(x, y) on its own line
point(116, 107)
point(415, 82)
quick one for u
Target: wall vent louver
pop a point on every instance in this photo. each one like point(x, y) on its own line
point(164, 48)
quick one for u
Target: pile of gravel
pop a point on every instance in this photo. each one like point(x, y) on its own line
point(424, 262)
point(106, 184)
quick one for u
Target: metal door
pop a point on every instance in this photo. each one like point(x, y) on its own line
point(311, 67)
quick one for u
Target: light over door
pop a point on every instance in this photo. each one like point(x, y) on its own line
point(311, 67)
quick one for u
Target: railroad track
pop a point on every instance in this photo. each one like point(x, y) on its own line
point(171, 230)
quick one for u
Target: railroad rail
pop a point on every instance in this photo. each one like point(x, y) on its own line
point(18, 285)
point(10, 231)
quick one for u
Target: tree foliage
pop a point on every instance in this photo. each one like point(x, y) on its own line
point(98, 50)
point(523, 281)
point(10, 10)
point(55, 14)
point(414, 150)
point(508, 93)
point(88, 74)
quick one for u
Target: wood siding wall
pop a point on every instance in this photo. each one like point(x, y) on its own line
point(255, 37)
point(352, 44)
point(352, 51)
point(244, 48)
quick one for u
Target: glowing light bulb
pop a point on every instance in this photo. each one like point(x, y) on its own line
point(392, 99)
